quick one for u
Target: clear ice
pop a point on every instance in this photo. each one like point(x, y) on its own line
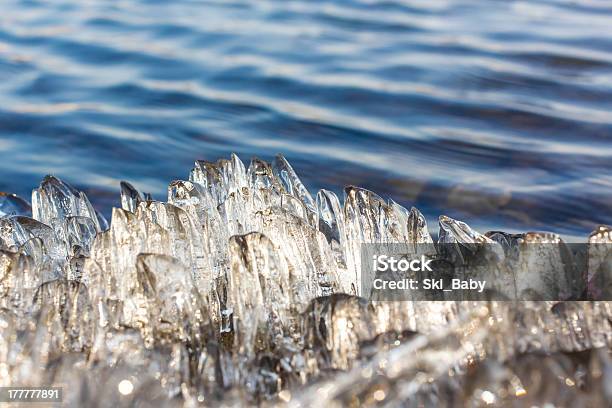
point(244, 289)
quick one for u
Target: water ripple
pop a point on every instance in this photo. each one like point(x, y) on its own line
point(495, 112)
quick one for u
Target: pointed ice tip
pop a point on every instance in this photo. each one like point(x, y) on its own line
point(352, 188)
point(349, 189)
point(49, 178)
point(443, 219)
point(352, 192)
point(260, 174)
point(130, 197)
point(129, 189)
point(456, 226)
point(126, 185)
point(414, 212)
point(258, 161)
point(281, 162)
point(55, 182)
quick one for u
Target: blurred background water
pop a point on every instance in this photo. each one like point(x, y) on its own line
point(494, 112)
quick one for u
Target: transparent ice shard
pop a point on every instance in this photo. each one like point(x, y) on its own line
point(411, 226)
point(365, 215)
point(418, 233)
point(35, 247)
point(294, 186)
point(191, 197)
point(19, 278)
point(12, 234)
point(297, 208)
point(12, 204)
point(453, 231)
point(368, 219)
point(235, 213)
point(331, 220)
point(260, 176)
point(335, 326)
point(38, 240)
point(261, 292)
point(459, 241)
point(331, 224)
point(556, 274)
point(235, 208)
point(207, 224)
point(400, 219)
point(290, 181)
point(16, 230)
point(167, 292)
point(65, 305)
point(233, 174)
point(599, 266)
point(57, 200)
point(80, 232)
point(130, 197)
point(115, 253)
point(264, 189)
point(307, 253)
point(294, 206)
point(207, 175)
point(221, 178)
point(185, 235)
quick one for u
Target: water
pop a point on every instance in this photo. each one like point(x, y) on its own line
point(493, 112)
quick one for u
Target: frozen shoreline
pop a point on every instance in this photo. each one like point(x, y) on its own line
point(242, 289)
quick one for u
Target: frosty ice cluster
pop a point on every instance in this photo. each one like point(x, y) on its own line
point(245, 289)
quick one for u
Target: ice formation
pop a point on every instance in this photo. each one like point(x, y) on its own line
point(243, 288)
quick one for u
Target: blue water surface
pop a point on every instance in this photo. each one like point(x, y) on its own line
point(498, 113)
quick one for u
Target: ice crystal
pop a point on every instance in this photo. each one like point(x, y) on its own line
point(244, 288)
